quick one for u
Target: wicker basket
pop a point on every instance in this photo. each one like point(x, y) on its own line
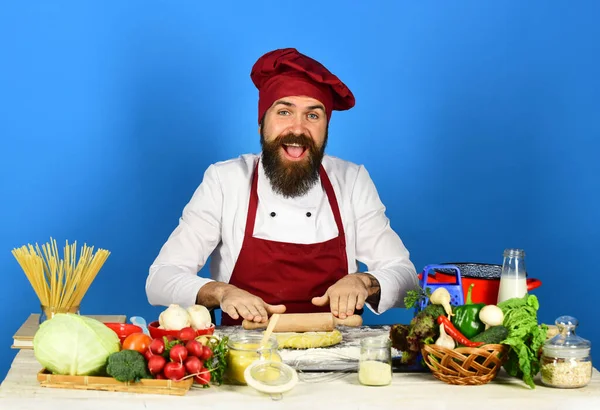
point(465, 365)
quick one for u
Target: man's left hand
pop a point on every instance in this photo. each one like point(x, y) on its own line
point(347, 294)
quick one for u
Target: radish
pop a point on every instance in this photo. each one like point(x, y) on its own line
point(156, 364)
point(206, 353)
point(148, 354)
point(178, 353)
point(160, 376)
point(157, 346)
point(203, 377)
point(174, 371)
point(187, 333)
point(194, 348)
point(193, 365)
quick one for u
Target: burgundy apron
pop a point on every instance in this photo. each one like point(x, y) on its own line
point(289, 273)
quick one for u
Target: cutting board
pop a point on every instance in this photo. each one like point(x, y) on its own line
point(23, 338)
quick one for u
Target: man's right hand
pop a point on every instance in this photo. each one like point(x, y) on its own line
point(236, 302)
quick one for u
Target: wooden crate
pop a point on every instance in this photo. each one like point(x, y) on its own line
point(148, 386)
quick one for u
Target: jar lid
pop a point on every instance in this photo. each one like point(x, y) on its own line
point(566, 344)
point(271, 377)
point(383, 341)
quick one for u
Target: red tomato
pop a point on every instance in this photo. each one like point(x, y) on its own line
point(137, 341)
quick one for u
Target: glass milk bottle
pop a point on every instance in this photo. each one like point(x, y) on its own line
point(513, 279)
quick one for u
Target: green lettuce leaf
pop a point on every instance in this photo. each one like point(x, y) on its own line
point(525, 337)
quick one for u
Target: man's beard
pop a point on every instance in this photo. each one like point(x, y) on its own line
point(291, 178)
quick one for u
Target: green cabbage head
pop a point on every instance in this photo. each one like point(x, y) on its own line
point(74, 345)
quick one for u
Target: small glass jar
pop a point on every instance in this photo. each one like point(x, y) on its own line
point(48, 312)
point(245, 349)
point(375, 363)
point(566, 358)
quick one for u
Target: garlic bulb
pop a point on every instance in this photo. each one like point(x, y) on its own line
point(174, 318)
point(444, 340)
point(441, 296)
point(199, 317)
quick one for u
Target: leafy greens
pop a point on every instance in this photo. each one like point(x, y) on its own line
point(525, 337)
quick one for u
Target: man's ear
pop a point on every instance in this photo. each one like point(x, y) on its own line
point(259, 128)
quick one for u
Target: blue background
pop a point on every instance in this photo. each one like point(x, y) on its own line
point(478, 121)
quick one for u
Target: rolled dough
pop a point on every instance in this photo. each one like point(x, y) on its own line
point(307, 340)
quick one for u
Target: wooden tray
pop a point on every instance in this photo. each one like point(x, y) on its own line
point(148, 386)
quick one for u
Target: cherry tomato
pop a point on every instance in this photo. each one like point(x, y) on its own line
point(137, 341)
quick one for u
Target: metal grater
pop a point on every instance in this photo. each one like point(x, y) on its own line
point(454, 289)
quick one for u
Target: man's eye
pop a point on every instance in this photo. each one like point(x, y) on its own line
point(313, 116)
point(283, 112)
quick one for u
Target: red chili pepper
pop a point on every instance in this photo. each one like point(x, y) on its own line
point(454, 333)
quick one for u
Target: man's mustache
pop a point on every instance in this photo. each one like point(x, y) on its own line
point(299, 139)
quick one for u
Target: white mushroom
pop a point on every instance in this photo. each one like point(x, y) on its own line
point(199, 317)
point(174, 318)
point(491, 315)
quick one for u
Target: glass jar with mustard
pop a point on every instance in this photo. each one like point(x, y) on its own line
point(245, 349)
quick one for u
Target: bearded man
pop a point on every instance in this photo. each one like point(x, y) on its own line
point(286, 228)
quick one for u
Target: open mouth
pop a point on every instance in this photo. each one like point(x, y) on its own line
point(294, 152)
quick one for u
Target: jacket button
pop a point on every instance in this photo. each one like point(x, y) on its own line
point(273, 214)
point(308, 214)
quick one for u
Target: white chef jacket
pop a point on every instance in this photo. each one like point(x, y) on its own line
point(214, 221)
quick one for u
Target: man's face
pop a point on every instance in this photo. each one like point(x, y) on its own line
point(293, 139)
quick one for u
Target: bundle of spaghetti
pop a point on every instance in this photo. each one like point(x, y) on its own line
point(58, 282)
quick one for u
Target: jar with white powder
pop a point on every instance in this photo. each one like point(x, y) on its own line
point(375, 364)
point(566, 358)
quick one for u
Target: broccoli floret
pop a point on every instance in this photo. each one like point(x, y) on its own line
point(435, 310)
point(127, 366)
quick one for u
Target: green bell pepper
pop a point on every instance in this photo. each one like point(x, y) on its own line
point(466, 317)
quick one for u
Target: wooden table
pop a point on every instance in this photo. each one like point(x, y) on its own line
point(20, 390)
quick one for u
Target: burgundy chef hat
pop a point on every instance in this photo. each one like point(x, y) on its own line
point(285, 72)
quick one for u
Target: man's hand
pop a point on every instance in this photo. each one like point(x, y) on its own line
point(349, 294)
point(236, 302)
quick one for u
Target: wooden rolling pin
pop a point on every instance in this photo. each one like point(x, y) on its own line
point(306, 322)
